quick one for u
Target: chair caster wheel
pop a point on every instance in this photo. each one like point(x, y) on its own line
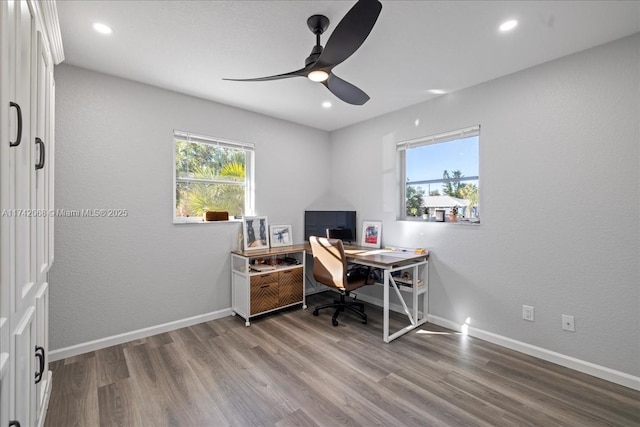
point(315, 312)
point(335, 322)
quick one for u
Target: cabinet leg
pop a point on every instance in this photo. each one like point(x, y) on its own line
point(304, 306)
point(233, 313)
point(247, 324)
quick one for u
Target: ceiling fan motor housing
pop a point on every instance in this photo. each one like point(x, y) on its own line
point(318, 25)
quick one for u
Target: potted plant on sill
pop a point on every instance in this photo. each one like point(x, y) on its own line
point(453, 214)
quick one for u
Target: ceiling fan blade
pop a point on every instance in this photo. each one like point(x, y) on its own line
point(345, 90)
point(350, 33)
point(298, 73)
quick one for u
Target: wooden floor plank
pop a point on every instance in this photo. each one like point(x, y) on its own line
point(111, 365)
point(291, 368)
point(115, 405)
point(297, 419)
point(74, 398)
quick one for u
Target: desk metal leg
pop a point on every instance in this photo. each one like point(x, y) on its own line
point(425, 295)
point(414, 295)
point(385, 321)
point(414, 314)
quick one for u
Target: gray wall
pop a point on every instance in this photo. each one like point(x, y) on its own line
point(114, 149)
point(559, 196)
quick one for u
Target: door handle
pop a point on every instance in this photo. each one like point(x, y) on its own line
point(19, 135)
point(40, 163)
point(40, 356)
point(14, 424)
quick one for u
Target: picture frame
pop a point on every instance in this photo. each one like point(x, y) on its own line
point(280, 235)
point(255, 234)
point(371, 234)
point(439, 215)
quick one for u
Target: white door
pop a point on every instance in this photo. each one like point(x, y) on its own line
point(22, 166)
point(5, 360)
point(40, 168)
point(9, 116)
point(24, 396)
point(42, 345)
point(51, 161)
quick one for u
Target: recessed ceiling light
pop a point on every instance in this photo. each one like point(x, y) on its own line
point(508, 25)
point(437, 91)
point(102, 28)
point(326, 104)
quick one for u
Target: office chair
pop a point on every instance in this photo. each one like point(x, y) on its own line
point(344, 234)
point(330, 269)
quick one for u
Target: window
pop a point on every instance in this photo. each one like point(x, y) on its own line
point(440, 177)
point(211, 175)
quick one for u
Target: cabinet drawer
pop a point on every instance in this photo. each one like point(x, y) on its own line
point(264, 293)
point(291, 286)
point(264, 278)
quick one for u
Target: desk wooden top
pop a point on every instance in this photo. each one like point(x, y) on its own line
point(280, 250)
point(383, 258)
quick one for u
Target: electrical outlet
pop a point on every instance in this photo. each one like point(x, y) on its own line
point(568, 323)
point(527, 313)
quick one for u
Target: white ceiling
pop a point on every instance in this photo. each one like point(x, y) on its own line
point(189, 46)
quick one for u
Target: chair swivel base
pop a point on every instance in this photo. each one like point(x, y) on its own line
point(340, 306)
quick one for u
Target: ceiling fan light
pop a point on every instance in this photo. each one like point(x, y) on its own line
point(318, 76)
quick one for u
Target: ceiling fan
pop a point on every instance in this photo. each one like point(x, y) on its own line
point(348, 36)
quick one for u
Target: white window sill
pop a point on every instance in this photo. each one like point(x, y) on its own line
point(474, 222)
point(179, 221)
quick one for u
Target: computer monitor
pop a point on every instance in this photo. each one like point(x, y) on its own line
point(316, 223)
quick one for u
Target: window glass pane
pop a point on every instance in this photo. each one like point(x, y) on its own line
point(207, 161)
point(430, 161)
point(193, 199)
point(211, 175)
point(442, 177)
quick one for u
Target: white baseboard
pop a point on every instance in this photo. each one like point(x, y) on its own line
point(74, 350)
point(589, 368)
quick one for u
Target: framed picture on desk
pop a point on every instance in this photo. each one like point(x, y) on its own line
point(255, 233)
point(280, 235)
point(371, 234)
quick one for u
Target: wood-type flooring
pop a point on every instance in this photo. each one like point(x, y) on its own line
point(294, 369)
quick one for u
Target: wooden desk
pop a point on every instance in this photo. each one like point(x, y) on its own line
point(391, 261)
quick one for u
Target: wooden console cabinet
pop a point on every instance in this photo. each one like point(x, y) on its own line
point(256, 292)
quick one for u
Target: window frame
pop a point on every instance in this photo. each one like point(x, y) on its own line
point(249, 179)
point(403, 146)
